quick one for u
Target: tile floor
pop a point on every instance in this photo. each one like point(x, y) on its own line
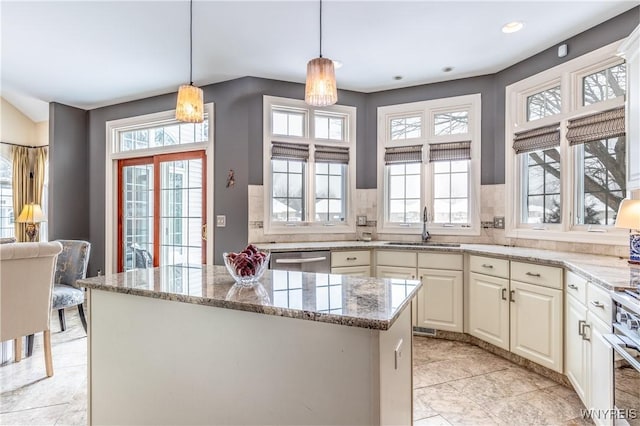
point(454, 384)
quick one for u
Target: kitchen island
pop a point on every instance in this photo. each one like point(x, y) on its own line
point(184, 345)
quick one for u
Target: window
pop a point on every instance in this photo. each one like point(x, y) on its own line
point(163, 135)
point(309, 170)
point(6, 195)
point(429, 156)
point(568, 177)
point(544, 104)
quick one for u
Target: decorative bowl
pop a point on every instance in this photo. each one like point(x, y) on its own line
point(246, 279)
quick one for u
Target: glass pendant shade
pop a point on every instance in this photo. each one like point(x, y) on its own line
point(321, 89)
point(190, 105)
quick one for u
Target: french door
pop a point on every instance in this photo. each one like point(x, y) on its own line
point(162, 210)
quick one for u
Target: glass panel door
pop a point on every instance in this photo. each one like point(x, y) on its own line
point(162, 211)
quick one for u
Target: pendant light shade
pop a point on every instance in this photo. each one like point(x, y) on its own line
point(190, 106)
point(190, 103)
point(321, 89)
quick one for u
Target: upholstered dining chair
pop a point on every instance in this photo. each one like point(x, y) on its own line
point(26, 281)
point(71, 266)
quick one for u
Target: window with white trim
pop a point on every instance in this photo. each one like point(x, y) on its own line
point(6, 193)
point(309, 166)
point(429, 156)
point(566, 150)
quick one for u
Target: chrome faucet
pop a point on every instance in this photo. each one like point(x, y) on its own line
point(425, 218)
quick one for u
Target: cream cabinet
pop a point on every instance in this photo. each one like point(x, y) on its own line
point(522, 315)
point(400, 272)
point(354, 263)
point(489, 309)
point(588, 356)
point(440, 301)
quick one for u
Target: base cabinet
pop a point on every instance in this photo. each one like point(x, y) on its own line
point(440, 300)
point(354, 271)
point(400, 272)
point(577, 366)
point(600, 360)
point(536, 324)
point(489, 309)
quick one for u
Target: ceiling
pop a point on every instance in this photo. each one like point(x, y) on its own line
point(95, 53)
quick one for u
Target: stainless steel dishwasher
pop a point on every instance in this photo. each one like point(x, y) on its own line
point(304, 261)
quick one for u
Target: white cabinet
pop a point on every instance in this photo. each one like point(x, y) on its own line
point(536, 323)
point(354, 263)
point(630, 49)
point(576, 364)
point(489, 309)
point(401, 272)
point(588, 356)
point(440, 299)
point(523, 316)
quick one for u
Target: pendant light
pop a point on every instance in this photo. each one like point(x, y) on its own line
point(320, 89)
point(190, 106)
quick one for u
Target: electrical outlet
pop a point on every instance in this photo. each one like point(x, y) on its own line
point(362, 220)
point(498, 222)
point(221, 221)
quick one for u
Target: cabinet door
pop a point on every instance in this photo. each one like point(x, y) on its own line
point(396, 272)
point(440, 299)
point(575, 348)
point(489, 309)
point(355, 271)
point(600, 368)
point(536, 324)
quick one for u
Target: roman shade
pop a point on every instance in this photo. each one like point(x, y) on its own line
point(331, 154)
point(403, 154)
point(289, 151)
point(537, 139)
point(594, 127)
point(450, 151)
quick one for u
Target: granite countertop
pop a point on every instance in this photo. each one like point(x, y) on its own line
point(337, 299)
point(609, 272)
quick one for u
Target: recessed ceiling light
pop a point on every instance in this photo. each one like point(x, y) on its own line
point(512, 27)
point(337, 64)
point(397, 77)
point(447, 69)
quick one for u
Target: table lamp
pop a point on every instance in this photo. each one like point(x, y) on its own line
point(31, 215)
point(629, 217)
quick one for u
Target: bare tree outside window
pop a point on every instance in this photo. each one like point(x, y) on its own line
point(406, 128)
point(451, 123)
point(542, 185)
point(544, 104)
point(603, 85)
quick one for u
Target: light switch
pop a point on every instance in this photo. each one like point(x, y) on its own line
point(362, 220)
point(221, 221)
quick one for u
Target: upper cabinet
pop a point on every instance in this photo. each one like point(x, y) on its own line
point(630, 50)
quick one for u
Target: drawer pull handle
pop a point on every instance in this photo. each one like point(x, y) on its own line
point(597, 304)
point(512, 294)
point(484, 265)
point(504, 294)
point(581, 324)
point(352, 258)
point(533, 274)
point(573, 286)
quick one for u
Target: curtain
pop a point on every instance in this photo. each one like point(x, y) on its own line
point(289, 151)
point(594, 127)
point(403, 154)
point(450, 151)
point(331, 154)
point(39, 170)
point(536, 139)
point(21, 187)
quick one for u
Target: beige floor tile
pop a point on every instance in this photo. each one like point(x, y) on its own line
point(541, 407)
point(432, 421)
point(486, 388)
point(36, 416)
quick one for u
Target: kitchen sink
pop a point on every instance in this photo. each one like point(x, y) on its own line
point(423, 244)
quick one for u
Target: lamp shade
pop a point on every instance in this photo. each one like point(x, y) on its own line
point(628, 214)
point(190, 106)
point(31, 213)
point(321, 89)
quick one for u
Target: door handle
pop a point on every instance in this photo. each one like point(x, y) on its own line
point(204, 232)
point(533, 274)
point(503, 294)
point(307, 260)
point(485, 265)
point(512, 294)
point(597, 304)
point(581, 324)
point(584, 333)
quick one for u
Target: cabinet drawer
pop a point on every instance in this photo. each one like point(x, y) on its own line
point(355, 271)
point(547, 276)
point(599, 302)
point(489, 266)
point(350, 258)
point(576, 286)
point(397, 258)
point(440, 261)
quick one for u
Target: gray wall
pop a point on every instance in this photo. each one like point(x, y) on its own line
point(68, 173)
point(77, 158)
